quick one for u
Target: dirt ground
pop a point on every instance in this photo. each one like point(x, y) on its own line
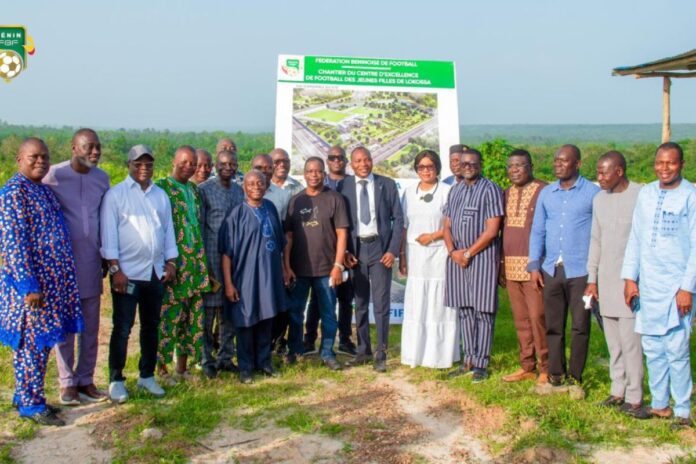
point(425, 422)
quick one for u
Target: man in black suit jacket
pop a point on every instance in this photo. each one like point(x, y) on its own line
point(377, 224)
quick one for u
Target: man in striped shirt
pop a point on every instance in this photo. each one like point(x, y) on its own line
point(473, 217)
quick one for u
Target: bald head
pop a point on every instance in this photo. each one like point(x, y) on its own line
point(226, 143)
point(263, 163)
point(33, 159)
point(82, 132)
point(31, 143)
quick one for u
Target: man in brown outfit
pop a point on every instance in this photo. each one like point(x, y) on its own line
point(526, 300)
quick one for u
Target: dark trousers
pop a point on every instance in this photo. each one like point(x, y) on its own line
point(477, 336)
point(560, 295)
point(254, 346)
point(147, 297)
point(226, 338)
point(372, 277)
point(344, 294)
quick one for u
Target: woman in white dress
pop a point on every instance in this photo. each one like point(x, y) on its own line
point(429, 334)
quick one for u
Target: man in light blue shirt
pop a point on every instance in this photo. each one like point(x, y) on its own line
point(561, 236)
point(660, 269)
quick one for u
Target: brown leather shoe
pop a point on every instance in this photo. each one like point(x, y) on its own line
point(69, 397)
point(520, 375)
point(664, 413)
point(91, 393)
point(543, 378)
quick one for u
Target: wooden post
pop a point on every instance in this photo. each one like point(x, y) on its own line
point(666, 127)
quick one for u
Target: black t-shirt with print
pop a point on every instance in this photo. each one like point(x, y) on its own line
point(313, 222)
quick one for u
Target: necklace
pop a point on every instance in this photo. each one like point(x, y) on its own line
point(428, 197)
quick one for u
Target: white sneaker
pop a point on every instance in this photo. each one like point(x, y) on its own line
point(151, 385)
point(118, 392)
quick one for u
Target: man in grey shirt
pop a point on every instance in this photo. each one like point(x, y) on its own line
point(612, 213)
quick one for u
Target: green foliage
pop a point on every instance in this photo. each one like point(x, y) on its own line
point(116, 143)
point(495, 155)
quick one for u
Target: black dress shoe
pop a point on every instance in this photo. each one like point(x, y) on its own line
point(359, 360)
point(332, 364)
point(227, 367)
point(380, 366)
point(245, 377)
point(347, 348)
point(463, 369)
point(290, 359)
point(210, 372)
point(268, 371)
point(46, 417)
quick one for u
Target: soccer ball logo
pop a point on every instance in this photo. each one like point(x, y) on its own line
point(10, 64)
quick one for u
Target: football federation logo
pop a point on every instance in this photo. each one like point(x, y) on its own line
point(15, 45)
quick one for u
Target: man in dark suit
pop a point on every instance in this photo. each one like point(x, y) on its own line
point(377, 225)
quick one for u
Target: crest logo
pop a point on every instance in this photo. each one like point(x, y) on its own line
point(15, 45)
point(291, 68)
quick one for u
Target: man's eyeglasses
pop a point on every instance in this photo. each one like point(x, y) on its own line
point(425, 167)
point(335, 158)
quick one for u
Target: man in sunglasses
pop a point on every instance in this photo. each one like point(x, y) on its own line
point(138, 241)
point(281, 172)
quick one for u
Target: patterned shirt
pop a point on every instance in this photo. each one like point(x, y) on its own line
point(191, 266)
point(216, 202)
point(468, 208)
point(36, 258)
point(520, 203)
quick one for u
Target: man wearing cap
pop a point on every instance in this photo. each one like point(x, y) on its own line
point(454, 159)
point(80, 186)
point(139, 244)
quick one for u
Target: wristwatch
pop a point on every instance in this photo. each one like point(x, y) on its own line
point(340, 266)
point(467, 255)
point(114, 268)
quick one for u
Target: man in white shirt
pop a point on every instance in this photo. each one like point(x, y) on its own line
point(138, 242)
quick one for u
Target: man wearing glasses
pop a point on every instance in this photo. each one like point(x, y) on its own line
point(473, 216)
point(525, 300)
point(281, 172)
point(138, 241)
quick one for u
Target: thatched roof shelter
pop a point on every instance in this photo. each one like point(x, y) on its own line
point(679, 66)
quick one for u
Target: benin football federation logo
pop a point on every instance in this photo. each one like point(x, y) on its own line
point(15, 45)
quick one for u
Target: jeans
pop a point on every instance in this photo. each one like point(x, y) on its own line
point(326, 297)
point(147, 297)
point(344, 294)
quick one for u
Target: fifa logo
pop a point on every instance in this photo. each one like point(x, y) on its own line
point(15, 45)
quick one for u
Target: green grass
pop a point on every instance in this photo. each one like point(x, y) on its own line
point(189, 412)
point(328, 115)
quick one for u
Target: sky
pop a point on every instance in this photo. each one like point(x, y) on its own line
point(211, 65)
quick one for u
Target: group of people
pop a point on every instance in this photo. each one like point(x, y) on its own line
point(222, 267)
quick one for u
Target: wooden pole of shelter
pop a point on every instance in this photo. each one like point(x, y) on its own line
point(666, 126)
